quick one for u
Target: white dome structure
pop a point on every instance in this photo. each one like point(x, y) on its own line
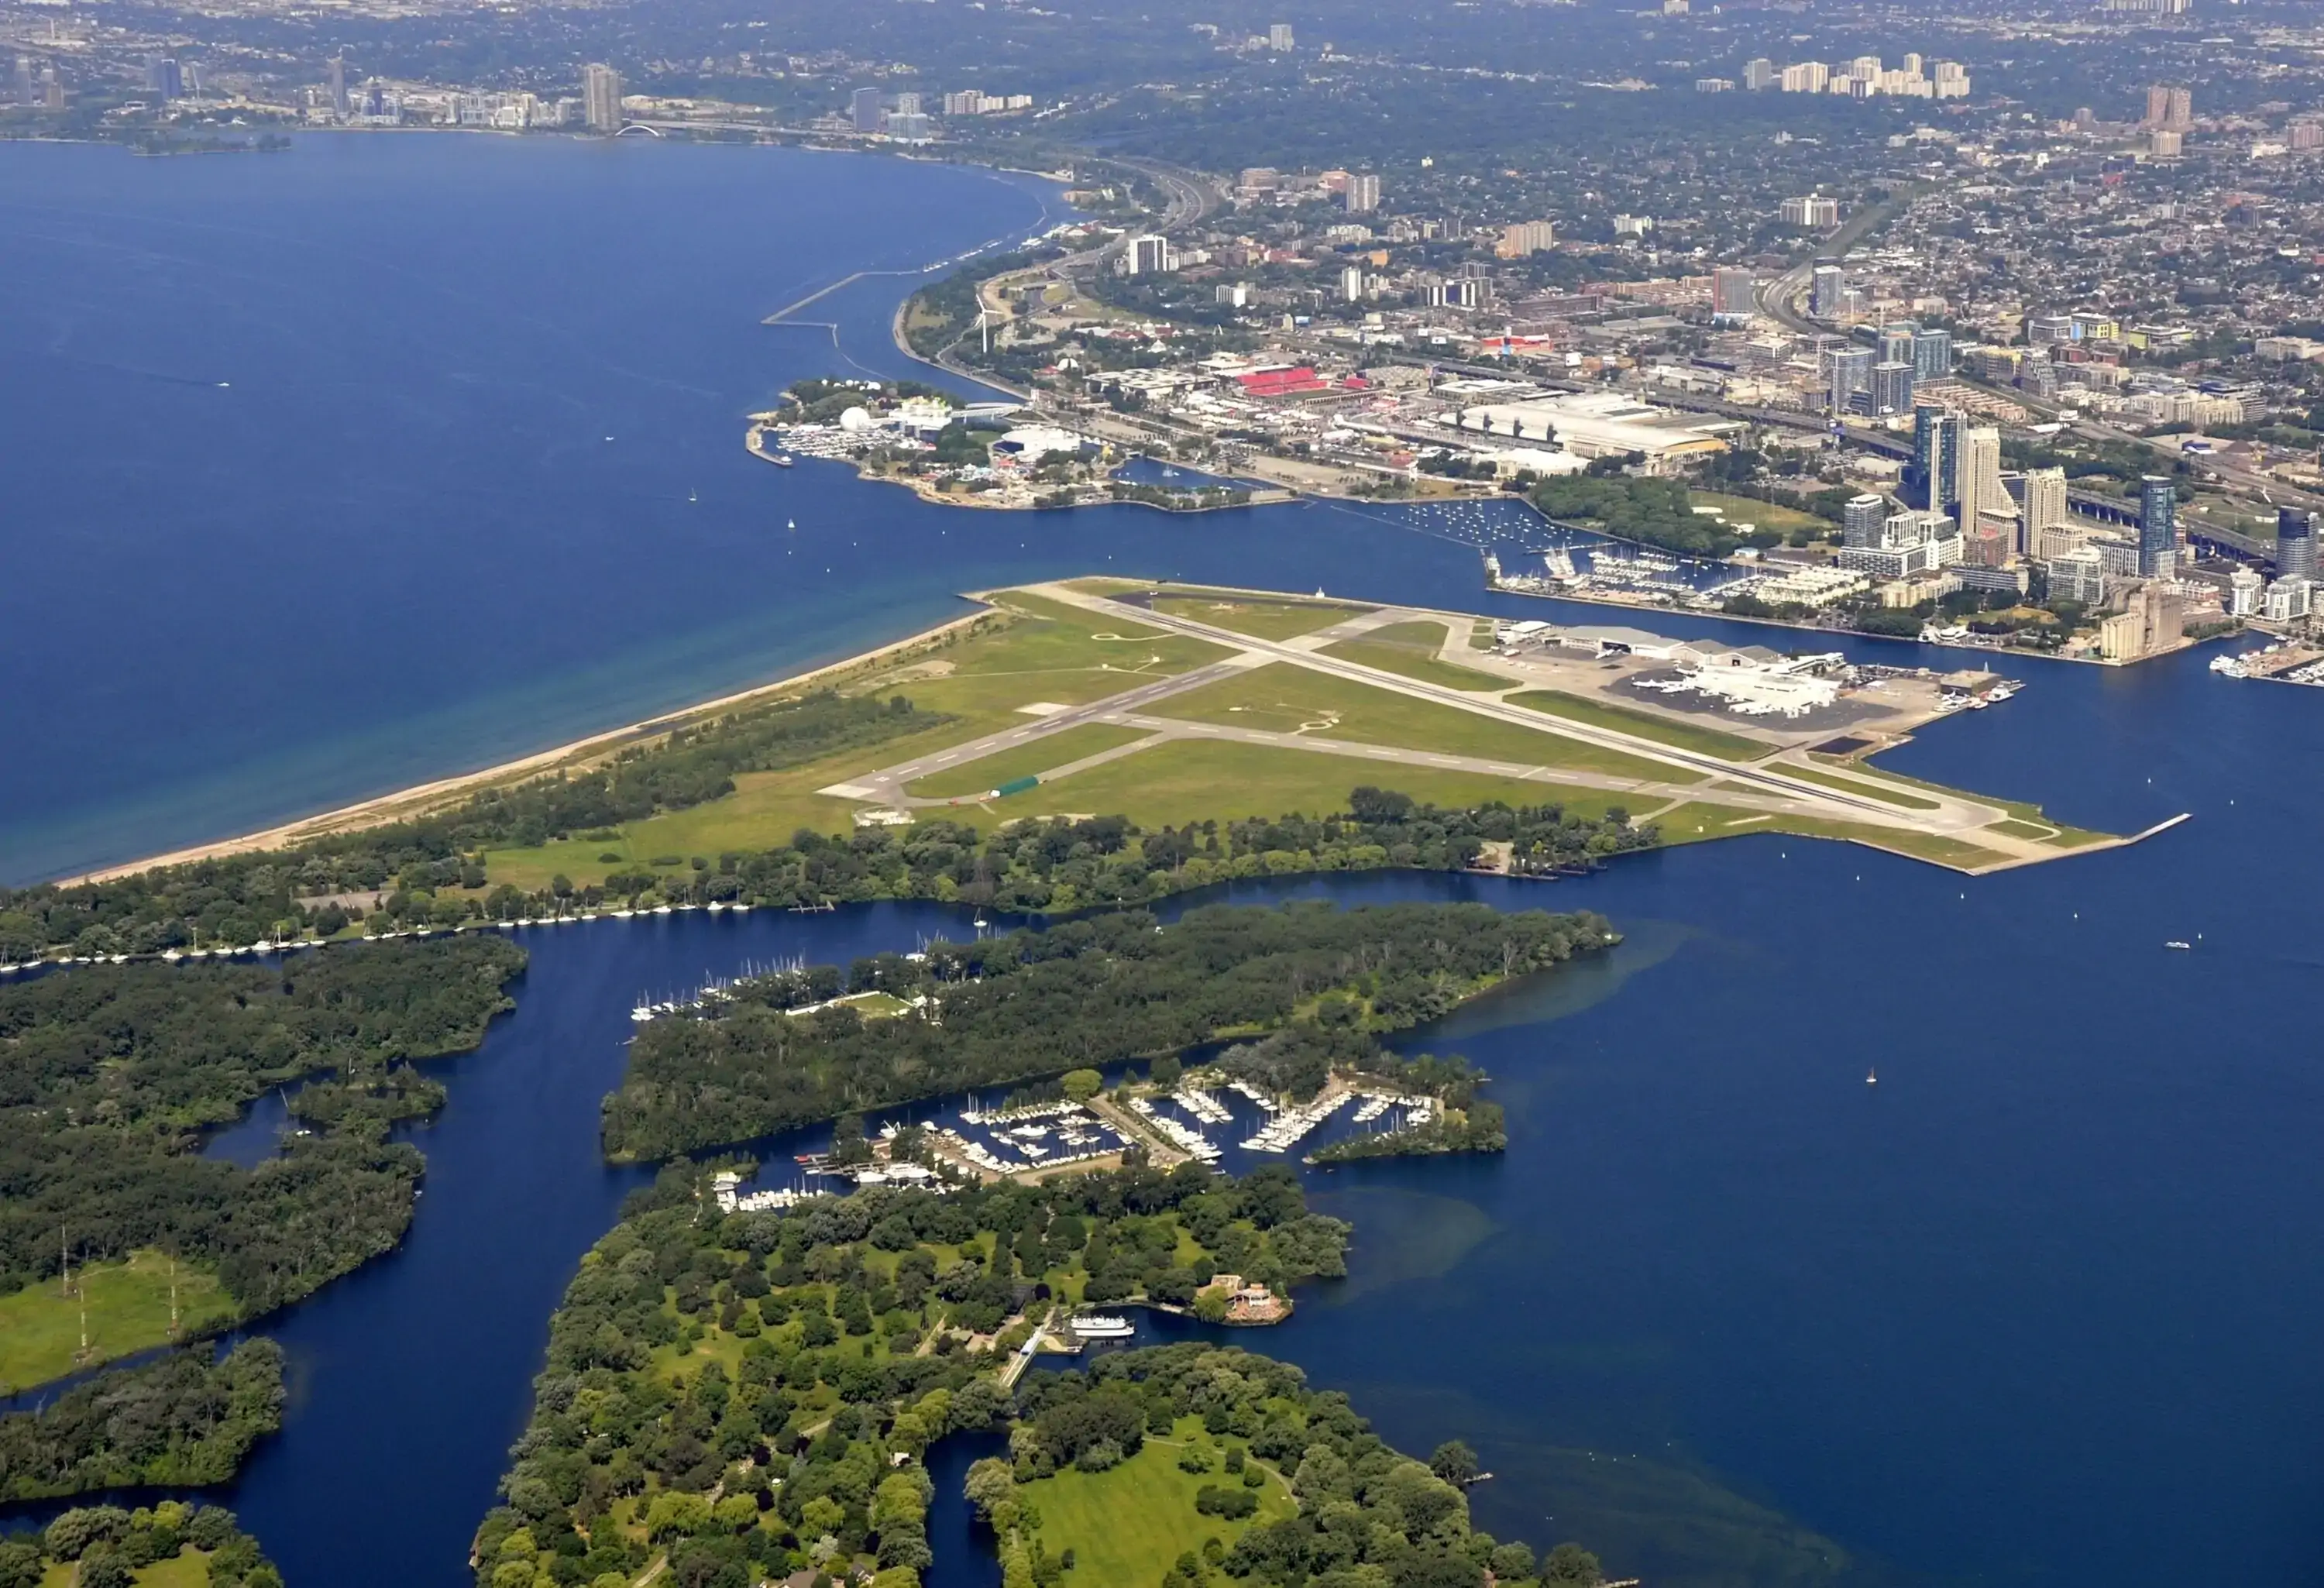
point(855, 419)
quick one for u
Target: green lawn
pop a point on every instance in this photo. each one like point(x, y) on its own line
point(1284, 698)
point(1646, 724)
point(1024, 760)
point(876, 1006)
point(1262, 618)
point(1765, 515)
point(1198, 780)
point(128, 1311)
point(1410, 649)
point(1886, 794)
point(1126, 1526)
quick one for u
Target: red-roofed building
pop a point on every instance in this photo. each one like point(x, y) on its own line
point(1281, 383)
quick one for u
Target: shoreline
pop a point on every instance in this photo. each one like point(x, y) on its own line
point(421, 799)
point(418, 798)
point(2185, 643)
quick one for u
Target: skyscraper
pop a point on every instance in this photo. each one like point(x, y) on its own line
point(1851, 375)
point(601, 98)
point(1279, 35)
point(339, 82)
point(1892, 386)
point(1932, 355)
point(1936, 458)
point(1760, 74)
point(2295, 543)
point(25, 93)
point(1363, 192)
point(2043, 507)
point(863, 110)
point(1827, 286)
point(2158, 526)
point(1862, 519)
point(1895, 343)
point(1978, 480)
point(2158, 106)
point(164, 78)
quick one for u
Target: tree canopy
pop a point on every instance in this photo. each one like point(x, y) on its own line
point(1077, 995)
point(110, 1076)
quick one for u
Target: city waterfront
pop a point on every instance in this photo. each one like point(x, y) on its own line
point(1723, 1312)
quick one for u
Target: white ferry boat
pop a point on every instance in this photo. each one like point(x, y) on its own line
point(1103, 1327)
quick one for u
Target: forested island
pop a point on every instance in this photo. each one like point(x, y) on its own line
point(738, 1398)
point(107, 1546)
point(111, 1075)
point(1076, 995)
point(182, 1422)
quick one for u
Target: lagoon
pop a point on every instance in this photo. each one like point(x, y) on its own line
point(2038, 1308)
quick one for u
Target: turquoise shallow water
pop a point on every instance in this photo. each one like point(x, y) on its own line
point(2039, 1309)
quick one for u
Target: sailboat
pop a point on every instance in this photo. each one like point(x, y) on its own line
point(1872, 1077)
point(790, 523)
point(690, 496)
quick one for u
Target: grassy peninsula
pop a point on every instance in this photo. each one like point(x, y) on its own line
point(1241, 718)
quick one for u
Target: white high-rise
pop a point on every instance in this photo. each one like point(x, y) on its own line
point(601, 98)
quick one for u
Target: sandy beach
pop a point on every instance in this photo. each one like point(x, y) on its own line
point(422, 798)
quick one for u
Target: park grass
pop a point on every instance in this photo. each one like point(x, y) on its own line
point(1024, 760)
point(1200, 780)
point(128, 1312)
point(1271, 618)
point(189, 1568)
point(1480, 633)
point(1409, 649)
point(1765, 515)
point(1126, 1525)
point(876, 1006)
point(1646, 724)
point(1887, 794)
point(1284, 697)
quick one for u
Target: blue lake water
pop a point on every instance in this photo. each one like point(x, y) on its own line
point(2039, 1307)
